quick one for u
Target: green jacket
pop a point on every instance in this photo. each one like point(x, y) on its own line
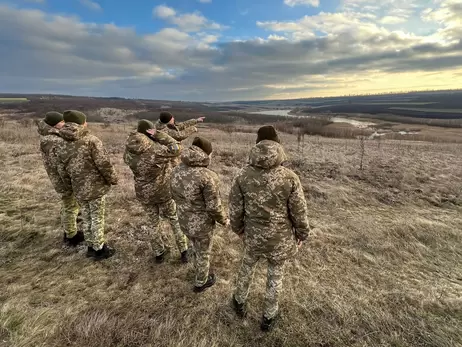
point(196, 191)
point(179, 131)
point(267, 204)
point(150, 161)
point(84, 163)
point(49, 141)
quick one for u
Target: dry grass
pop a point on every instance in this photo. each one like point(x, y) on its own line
point(382, 267)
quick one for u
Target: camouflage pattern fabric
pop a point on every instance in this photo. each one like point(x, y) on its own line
point(197, 194)
point(93, 222)
point(195, 188)
point(179, 131)
point(168, 211)
point(201, 246)
point(273, 283)
point(150, 161)
point(49, 141)
point(268, 208)
point(267, 204)
point(84, 163)
point(69, 212)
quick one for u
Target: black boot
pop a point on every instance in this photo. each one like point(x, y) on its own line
point(184, 257)
point(90, 252)
point(74, 241)
point(240, 309)
point(104, 253)
point(210, 282)
point(267, 324)
point(160, 258)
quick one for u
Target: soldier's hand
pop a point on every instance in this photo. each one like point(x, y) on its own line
point(200, 119)
point(227, 223)
point(299, 243)
point(151, 132)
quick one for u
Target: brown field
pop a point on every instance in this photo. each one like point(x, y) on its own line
point(381, 268)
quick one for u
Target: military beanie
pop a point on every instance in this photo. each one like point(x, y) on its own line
point(52, 118)
point(267, 133)
point(144, 125)
point(203, 144)
point(165, 117)
point(74, 117)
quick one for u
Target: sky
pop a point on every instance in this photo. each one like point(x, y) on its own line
point(223, 50)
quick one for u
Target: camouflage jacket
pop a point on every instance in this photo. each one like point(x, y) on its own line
point(267, 204)
point(196, 191)
point(84, 163)
point(179, 131)
point(150, 161)
point(49, 140)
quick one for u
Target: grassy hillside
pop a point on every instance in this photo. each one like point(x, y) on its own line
point(382, 267)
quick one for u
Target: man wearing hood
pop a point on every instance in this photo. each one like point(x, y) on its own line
point(84, 164)
point(196, 191)
point(268, 210)
point(48, 128)
point(148, 153)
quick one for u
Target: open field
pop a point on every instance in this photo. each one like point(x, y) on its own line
point(381, 268)
point(12, 100)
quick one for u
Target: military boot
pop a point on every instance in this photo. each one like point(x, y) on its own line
point(184, 257)
point(74, 241)
point(161, 258)
point(267, 324)
point(104, 253)
point(210, 282)
point(240, 309)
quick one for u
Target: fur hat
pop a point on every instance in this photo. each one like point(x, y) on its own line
point(267, 133)
point(203, 144)
point(165, 117)
point(52, 118)
point(73, 116)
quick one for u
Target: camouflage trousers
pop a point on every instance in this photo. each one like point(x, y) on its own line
point(166, 210)
point(93, 222)
point(273, 283)
point(202, 247)
point(69, 212)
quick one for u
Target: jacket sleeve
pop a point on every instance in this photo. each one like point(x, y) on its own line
point(181, 135)
point(236, 207)
point(169, 148)
point(61, 171)
point(101, 159)
point(187, 124)
point(211, 195)
point(298, 210)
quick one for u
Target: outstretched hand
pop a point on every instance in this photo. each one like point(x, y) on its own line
point(299, 243)
point(227, 223)
point(151, 132)
point(200, 119)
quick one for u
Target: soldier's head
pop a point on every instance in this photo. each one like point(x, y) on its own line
point(203, 144)
point(54, 119)
point(77, 117)
point(267, 133)
point(167, 118)
point(146, 127)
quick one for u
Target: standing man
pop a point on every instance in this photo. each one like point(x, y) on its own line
point(148, 153)
point(48, 129)
point(195, 190)
point(179, 131)
point(84, 164)
point(268, 211)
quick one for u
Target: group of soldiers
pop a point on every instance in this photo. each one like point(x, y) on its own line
point(267, 207)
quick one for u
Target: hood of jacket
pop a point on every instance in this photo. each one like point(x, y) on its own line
point(44, 129)
point(73, 131)
point(137, 143)
point(195, 156)
point(267, 155)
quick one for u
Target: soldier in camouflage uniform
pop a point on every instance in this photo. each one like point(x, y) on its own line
point(268, 210)
point(195, 190)
point(148, 153)
point(48, 129)
point(84, 164)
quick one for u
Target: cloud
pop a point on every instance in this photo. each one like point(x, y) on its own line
point(392, 20)
point(205, 1)
point(92, 5)
point(189, 22)
point(292, 3)
point(324, 54)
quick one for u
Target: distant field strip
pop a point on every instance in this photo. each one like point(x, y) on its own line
point(447, 110)
point(9, 100)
